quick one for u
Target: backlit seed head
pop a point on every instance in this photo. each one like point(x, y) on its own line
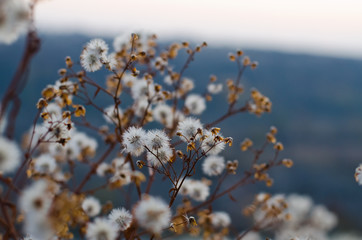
point(239, 53)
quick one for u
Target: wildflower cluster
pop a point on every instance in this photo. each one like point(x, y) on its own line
point(291, 217)
point(150, 133)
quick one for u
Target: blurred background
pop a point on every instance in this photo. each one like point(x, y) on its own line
point(310, 66)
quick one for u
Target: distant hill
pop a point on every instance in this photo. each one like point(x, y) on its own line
point(317, 107)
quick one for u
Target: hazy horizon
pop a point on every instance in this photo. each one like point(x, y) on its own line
point(329, 28)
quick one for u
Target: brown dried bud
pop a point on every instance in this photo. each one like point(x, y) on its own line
point(279, 146)
point(287, 162)
point(273, 130)
point(41, 103)
point(62, 71)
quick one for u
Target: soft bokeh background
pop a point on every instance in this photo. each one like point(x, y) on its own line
point(310, 56)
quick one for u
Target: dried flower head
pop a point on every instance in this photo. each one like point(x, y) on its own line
point(153, 214)
point(121, 217)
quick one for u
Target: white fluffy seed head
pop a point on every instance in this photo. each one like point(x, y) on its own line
point(45, 164)
point(195, 103)
point(121, 217)
point(133, 140)
point(220, 219)
point(195, 189)
point(214, 88)
point(91, 206)
point(188, 128)
point(213, 165)
point(111, 114)
point(9, 155)
point(156, 156)
point(141, 88)
point(156, 139)
point(153, 214)
point(323, 219)
point(101, 228)
point(211, 145)
point(90, 61)
point(98, 46)
point(37, 198)
point(15, 19)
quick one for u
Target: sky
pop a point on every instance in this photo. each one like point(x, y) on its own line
point(321, 27)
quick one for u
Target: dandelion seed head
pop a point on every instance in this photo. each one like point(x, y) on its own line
point(163, 113)
point(195, 189)
point(322, 218)
point(45, 164)
point(195, 103)
point(91, 206)
point(214, 88)
point(101, 229)
point(210, 145)
point(10, 155)
point(102, 169)
point(14, 19)
point(159, 155)
point(220, 219)
point(213, 165)
point(121, 217)
point(111, 115)
point(36, 199)
point(90, 61)
point(153, 214)
point(141, 88)
point(156, 139)
point(133, 140)
point(99, 47)
point(188, 128)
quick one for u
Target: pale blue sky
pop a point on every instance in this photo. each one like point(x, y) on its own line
point(327, 27)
